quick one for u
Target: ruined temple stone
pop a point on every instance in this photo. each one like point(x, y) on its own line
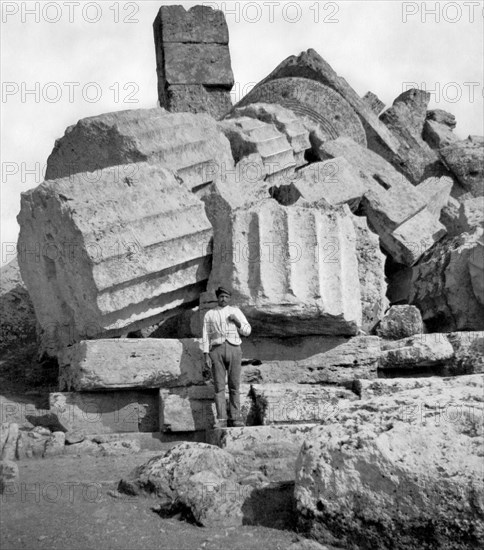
point(441, 117)
point(310, 65)
point(130, 363)
point(442, 287)
point(476, 271)
point(113, 255)
point(406, 118)
point(8, 443)
point(394, 208)
point(356, 358)
point(437, 193)
point(468, 353)
point(416, 352)
point(324, 111)
point(449, 217)
point(438, 135)
point(284, 120)
point(292, 270)
point(9, 474)
point(296, 403)
point(100, 412)
point(371, 273)
point(250, 136)
point(374, 102)
point(55, 444)
point(471, 214)
point(383, 387)
point(332, 180)
point(197, 477)
point(400, 322)
point(190, 145)
point(187, 409)
point(193, 60)
point(465, 159)
point(17, 321)
point(386, 468)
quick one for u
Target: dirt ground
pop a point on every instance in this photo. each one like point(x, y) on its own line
point(67, 502)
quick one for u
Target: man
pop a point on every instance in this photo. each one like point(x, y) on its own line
point(222, 327)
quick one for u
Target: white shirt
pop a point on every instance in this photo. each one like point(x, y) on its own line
point(217, 329)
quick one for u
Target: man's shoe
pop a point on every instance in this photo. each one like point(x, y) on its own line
point(220, 423)
point(238, 424)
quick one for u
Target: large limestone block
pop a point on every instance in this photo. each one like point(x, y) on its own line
point(471, 214)
point(250, 136)
point(292, 270)
point(325, 112)
point(130, 363)
point(105, 257)
point(332, 180)
point(476, 271)
point(383, 387)
point(438, 135)
point(442, 287)
point(193, 60)
point(437, 192)
point(374, 102)
point(356, 358)
point(310, 65)
point(107, 412)
point(406, 118)
point(371, 273)
point(400, 471)
point(17, 321)
point(465, 159)
point(190, 145)
point(400, 322)
point(394, 208)
point(285, 121)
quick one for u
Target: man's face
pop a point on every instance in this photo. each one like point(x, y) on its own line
point(223, 299)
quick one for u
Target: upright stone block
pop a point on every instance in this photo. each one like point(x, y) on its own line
point(193, 60)
point(114, 255)
point(292, 270)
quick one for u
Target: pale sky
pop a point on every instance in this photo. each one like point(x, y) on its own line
point(66, 60)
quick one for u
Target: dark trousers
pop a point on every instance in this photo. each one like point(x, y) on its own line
point(226, 360)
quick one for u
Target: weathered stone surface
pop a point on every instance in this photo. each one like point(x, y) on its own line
point(284, 120)
point(442, 287)
point(468, 353)
point(31, 444)
point(419, 351)
point(249, 136)
point(130, 363)
point(333, 181)
point(438, 135)
point(371, 272)
point(53, 420)
point(374, 102)
point(55, 444)
point(471, 214)
point(295, 403)
point(476, 271)
point(383, 387)
point(406, 118)
point(82, 448)
point(465, 159)
point(112, 255)
point(356, 358)
point(292, 270)
point(9, 436)
point(325, 112)
point(106, 412)
point(437, 193)
point(120, 447)
point(187, 409)
point(401, 322)
point(310, 65)
point(187, 144)
point(192, 477)
point(401, 471)
point(17, 322)
point(74, 436)
point(193, 60)
point(394, 208)
point(442, 117)
point(8, 474)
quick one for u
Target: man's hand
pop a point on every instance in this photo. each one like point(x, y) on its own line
point(208, 361)
point(232, 318)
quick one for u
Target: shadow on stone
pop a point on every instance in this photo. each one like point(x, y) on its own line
point(272, 506)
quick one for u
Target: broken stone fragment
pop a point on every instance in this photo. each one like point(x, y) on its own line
point(437, 193)
point(325, 113)
point(394, 208)
point(465, 159)
point(130, 363)
point(55, 444)
point(405, 119)
point(112, 255)
point(284, 120)
point(442, 117)
point(193, 60)
point(400, 322)
point(292, 270)
point(9, 474)
point(374, 102)
point(438, 135)
point(442, 287)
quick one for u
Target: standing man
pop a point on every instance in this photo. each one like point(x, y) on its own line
point(222, 327)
